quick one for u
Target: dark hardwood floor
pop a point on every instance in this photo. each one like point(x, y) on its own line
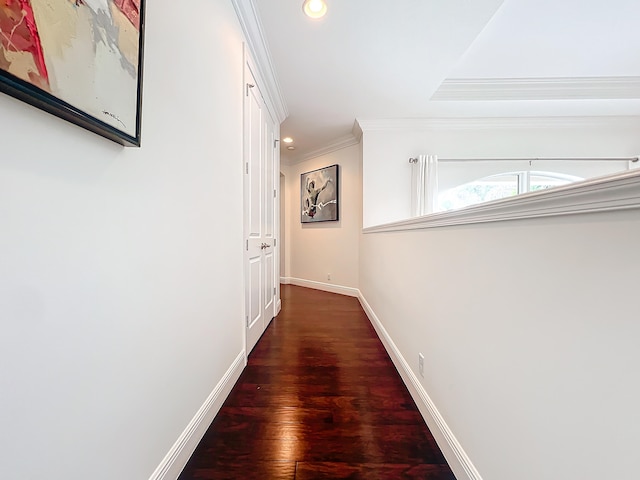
point(318, 399)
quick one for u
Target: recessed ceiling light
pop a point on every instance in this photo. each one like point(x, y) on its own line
point(291, 147)
point(287, 140)
point(314, 8)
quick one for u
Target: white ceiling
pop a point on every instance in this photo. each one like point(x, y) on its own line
point(556, 38)
point(383, 59)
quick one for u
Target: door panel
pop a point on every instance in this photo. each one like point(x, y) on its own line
point(269, 196)
point(268, 287)
point(259, 148)
point(255, 146)
point(255, 280)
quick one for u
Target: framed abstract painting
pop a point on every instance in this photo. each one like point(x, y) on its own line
point(319, 195)
point(80, 60)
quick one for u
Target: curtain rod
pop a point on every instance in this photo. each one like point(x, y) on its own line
point(612, 159)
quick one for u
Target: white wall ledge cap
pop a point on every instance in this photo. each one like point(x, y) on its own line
point(602, 194)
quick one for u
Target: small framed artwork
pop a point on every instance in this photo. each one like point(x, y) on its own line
point(319, 195)
point(80, 60)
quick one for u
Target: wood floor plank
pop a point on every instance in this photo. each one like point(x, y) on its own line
point(332, 470)
point(272, 470)
point(319, 398)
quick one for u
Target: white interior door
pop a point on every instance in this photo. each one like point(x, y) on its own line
point(260, 292)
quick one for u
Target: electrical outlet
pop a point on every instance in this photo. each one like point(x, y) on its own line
point(421, 364)
point(328, 276)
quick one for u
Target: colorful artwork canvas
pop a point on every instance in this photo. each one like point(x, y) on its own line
point(78, 59)
point(319, 195)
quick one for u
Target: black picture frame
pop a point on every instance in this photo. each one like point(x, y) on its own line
point(320, 195)
point(43, 100)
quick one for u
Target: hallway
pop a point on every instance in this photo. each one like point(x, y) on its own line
point(318, 399)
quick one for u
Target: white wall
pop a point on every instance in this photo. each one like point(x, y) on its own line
point(388, 147)
point(121, 291)
point(529, 331)
point(318, 249)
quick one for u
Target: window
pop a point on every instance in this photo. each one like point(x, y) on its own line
point(502, 185)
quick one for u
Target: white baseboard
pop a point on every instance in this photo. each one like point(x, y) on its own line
point(174, 462)
point(327, 287)
point(278, 306)
point(456, 457)
point(285, 280)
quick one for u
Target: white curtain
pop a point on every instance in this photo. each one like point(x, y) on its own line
point(424, 185)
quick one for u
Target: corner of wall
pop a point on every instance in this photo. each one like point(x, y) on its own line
point(455, 455)
point(179, 454)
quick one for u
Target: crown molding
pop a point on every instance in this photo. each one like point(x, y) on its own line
point(559, 88)
point(259, 51)
point(356, 130)
point(338, 144)
point(420, 124)
point(604, 194)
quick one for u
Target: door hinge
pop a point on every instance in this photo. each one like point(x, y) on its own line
point(247, 245)
point(247, 320)
point(274, 290)
point(249, 85)
point(275, 143)
point(275, 241)
point(246, 168)
point(275, 193)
